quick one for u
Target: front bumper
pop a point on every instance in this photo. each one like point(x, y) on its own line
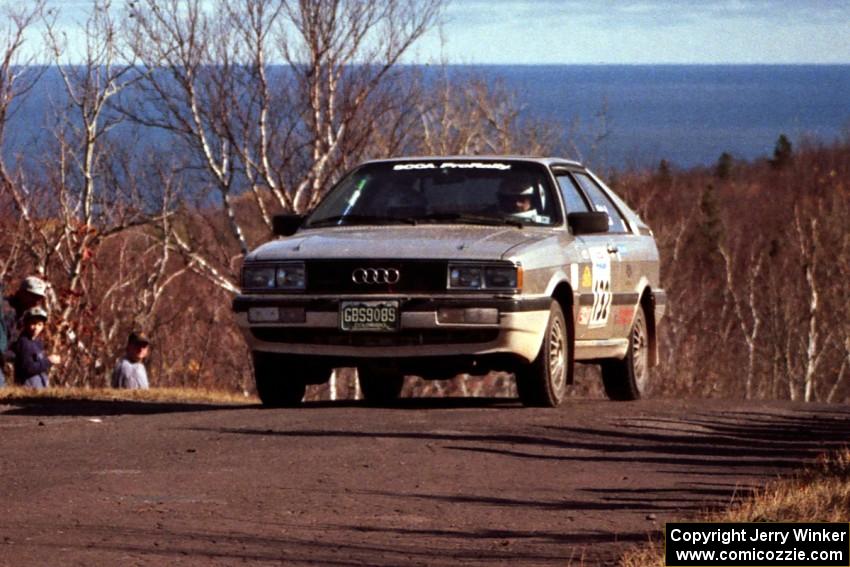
point(519, 330)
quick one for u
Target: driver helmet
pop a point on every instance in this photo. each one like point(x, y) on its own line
point(516, 197)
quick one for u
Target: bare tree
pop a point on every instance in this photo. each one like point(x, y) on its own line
point(282, 134)
point(340, 53)
point(90, 211)
point(88, 193)
point(593, 136)
point(806, 237)
point(742, 292)
point(470, 115)
point(19, 72)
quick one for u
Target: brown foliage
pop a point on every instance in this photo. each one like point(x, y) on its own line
point(756, 267)
point(756, 258)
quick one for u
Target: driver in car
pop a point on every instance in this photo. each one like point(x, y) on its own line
point(516, 198)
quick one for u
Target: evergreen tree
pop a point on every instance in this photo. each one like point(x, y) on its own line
point(664, 175)
point(724, 166)
point(783, 153)
point(663, 172)
point(710, 224)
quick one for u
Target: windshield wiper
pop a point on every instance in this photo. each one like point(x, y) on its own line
point(338, 220)
point(465, 218)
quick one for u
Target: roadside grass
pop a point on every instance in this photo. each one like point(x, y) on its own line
point(156, 395)
point(820, 492)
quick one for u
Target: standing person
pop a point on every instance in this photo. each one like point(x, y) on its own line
point(31, 293)
point(6, 316)
point(130, 371)
point(31, 364)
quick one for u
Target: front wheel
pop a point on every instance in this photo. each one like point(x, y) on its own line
point(282, 380)
point(628, 379)
point(543, 383)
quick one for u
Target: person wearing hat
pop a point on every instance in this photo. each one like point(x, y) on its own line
point(7, 317)
point(31, 364)
point(130, 371)
point(31, 293)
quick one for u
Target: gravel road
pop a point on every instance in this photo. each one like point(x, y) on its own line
point(426, 482)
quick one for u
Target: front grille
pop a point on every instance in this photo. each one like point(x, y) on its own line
point(405, 337)
point(416, 276)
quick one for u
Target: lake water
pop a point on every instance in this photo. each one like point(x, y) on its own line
point(685, 114)
point(688, 114)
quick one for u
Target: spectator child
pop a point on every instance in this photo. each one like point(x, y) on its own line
point(31, 364)
point(6, 315)
point(130, 371)
point(31, 293)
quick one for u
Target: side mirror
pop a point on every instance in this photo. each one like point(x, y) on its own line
point(588, 223)
point(286, 225)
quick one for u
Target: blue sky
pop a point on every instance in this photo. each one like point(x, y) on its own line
point(625, 31)
point(646, 31)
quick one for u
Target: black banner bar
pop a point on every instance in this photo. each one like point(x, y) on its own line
point(758, 544)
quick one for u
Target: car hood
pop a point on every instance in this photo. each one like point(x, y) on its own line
point(402, 242)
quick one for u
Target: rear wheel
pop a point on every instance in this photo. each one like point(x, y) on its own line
point(282, 380)
point(380, 385)
point(543, 383)
point(628, 379)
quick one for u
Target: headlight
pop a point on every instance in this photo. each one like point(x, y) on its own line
point(258, 278)
point(287, 277)
point(482, 276)
point(502, 278)
point(465, 277)
point(291, 276)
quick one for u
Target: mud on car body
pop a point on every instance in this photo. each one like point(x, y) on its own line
point(440, 266)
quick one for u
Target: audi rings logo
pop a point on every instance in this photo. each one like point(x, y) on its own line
point(372, 276)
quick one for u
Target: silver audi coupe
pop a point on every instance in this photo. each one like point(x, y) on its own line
point(439, 266)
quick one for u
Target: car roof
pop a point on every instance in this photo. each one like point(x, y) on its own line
point(547, 161)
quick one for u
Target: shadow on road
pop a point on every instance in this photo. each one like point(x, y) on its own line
point(340, 545)
point(428, 403)
point(46, 407)
point(725, 448)
point(50, 407)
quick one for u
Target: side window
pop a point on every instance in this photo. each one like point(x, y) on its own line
point(601, 202)
point(573, 201)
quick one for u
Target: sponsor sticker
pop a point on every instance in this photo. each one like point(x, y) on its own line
point(586, 277)
point(584, 315)
point(410, 166)
point(602, 296)
point(452, 165)
point(475, 165)
point(573, 273)
point(624, 316)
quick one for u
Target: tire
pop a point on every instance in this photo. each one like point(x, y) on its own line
point(628, 379)
point(277, 389)
point(379, 385)
point(543, 383)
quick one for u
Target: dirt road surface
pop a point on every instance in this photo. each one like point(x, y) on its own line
point(427, 482)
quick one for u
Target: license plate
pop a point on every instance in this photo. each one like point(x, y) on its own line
point(369, 316)
point(263, 314)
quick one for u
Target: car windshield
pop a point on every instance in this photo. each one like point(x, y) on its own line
point(468, 192)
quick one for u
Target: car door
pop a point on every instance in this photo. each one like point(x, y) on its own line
point(594, 280)
point(622, 247)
